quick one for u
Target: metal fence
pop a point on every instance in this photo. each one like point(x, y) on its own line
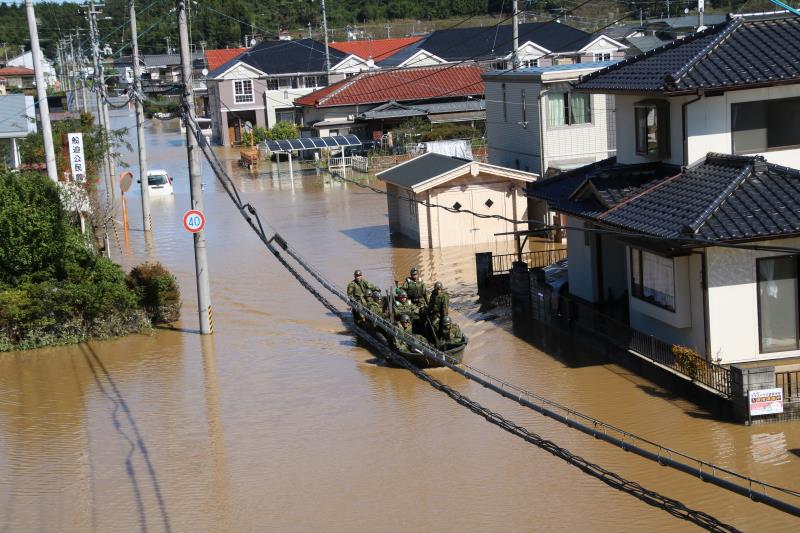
point(790, 383)
point(501, 264)
point(547, 306)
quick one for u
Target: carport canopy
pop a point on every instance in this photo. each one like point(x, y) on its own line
point(312, 143)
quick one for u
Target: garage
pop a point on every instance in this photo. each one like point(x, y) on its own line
point(416, 187)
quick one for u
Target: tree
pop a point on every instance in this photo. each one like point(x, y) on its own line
point(284, 130)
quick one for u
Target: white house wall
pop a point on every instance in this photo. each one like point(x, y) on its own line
point(708, 125)
point(582, 261)
point(733, 303)
point(580, 144)
point(509, 143)
point(514, 145)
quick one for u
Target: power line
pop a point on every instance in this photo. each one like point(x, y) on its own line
point(732, 481)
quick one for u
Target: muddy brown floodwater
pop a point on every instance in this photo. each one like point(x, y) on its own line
point(282, 422)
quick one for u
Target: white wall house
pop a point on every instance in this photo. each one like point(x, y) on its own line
point(538, 124)
point(462, 185)
point(706, 191)
point(26, 60)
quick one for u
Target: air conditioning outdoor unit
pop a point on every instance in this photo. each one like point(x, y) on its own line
point(351, 117)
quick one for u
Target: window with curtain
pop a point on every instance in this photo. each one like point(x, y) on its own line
point(564, 109)
point(653, 278)
point(777, 303)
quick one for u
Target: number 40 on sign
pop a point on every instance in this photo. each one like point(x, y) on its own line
point(194, 221)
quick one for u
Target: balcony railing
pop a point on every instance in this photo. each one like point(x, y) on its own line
point(501, 264)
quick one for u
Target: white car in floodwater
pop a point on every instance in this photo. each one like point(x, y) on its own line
point(159, 183)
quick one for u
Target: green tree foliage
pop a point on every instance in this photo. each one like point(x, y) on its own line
point(283, 130)
point(53, 289)
point(157, 292)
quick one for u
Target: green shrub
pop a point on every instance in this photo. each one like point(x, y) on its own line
point(157, 292)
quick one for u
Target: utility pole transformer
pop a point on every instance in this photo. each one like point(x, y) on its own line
point(325, 32)
point(41, 94)
point(515, 35)
point(195, 185)
point(137, 95)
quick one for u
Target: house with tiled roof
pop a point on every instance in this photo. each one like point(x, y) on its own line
point(374, 49)
point(217, 58)
point(693, 230)
point(19, 77)
point(372, 103)
point(258, 87)
point(540, 44)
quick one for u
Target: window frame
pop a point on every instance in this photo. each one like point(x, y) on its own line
point(639, 294)
point(272, 84)
point(759, 260)
point(247, 97)
point(661, 109)
point(766, 114)
point(566, 97)
point(601, 56)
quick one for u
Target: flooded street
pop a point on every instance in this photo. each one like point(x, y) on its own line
point(280, 421)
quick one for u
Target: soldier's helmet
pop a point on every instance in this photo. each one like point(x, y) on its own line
point(402, 294)
point(357, 273)
point(446, 321)
point(405, 319)
point(438, 285)
point(368, 295)
point(414, 271)
point(376, 294)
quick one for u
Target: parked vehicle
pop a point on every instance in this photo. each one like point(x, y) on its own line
point(159, 182)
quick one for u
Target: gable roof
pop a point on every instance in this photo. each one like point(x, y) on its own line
point(217, 58)
point(421, 169)
point(420, 83)
point(284, 57)
point(722, 198)
point(378, 49)
point(431, 170)
point(492, 42)
point(740, 53)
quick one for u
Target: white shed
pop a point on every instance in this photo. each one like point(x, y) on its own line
point(459, 184)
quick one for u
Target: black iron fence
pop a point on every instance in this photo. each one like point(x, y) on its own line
point(567, 312)
point(501, 264)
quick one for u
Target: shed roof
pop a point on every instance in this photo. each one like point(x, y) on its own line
point(377, 49)
point(722, 198)
point(741, 53)
point(16, 71)
point(419, 83)
point(432, 169)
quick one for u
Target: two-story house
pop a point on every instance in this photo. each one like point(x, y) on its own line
point(540, 44)
point(539, 124)
point(260, 85)
point(694, 227)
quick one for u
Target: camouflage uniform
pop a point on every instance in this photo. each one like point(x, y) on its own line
point(407, 308)
point(451, 335)
point(401, 345)
point(438, 307)
point(357, 290)
point(416, 290)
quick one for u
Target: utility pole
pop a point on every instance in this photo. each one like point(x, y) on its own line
point(100, 83)
point(388, 31)
point(309, 32)
point(515, 35)
point(325, 32)
point(81, 70)
point(195, 185)
point(41, 94)
point(701, 7)
point(137, 90)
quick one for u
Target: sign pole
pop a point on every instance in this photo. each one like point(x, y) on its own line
point(195, 184)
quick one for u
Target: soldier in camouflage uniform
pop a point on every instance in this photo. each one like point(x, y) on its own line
point(415, 288)
point(376, 304)
point(404, 324)
point(402, 305)
point(449, 333)
point(358, 288)
point(438, 305)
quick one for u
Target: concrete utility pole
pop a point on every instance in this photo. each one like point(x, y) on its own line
point(137, 88)
point(41, 94)
point(701, 7)
point(102, 112)
point(325, 32)
point(195, 185)
point(515, 35)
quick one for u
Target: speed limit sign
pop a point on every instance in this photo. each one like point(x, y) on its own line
point(194, 221)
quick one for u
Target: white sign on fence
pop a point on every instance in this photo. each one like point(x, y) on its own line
point(766, 402)
point(76, 158)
